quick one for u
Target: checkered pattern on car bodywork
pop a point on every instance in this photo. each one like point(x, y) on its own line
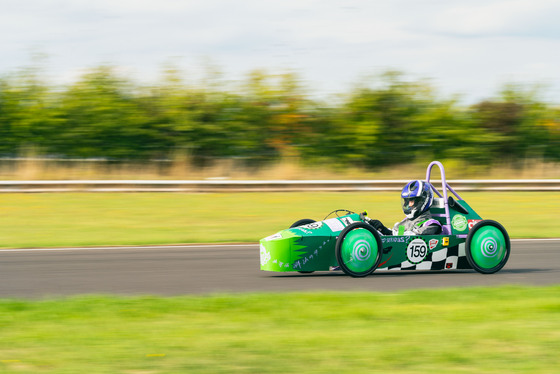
point(448, 258)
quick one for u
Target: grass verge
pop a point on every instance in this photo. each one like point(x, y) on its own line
point(498, 330)
point(81, 219)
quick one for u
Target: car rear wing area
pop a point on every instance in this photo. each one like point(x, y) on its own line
point(444, 200)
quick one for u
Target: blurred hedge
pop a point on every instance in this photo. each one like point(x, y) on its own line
point(385, 121)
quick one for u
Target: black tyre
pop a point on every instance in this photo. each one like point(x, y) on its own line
point(359, 249)
point(487, 247)
point(301, 222)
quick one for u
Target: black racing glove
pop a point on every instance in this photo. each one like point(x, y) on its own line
point(380, 227)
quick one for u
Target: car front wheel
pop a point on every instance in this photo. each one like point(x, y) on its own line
point(359, 249)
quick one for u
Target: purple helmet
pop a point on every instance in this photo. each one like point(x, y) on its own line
point(417, 197)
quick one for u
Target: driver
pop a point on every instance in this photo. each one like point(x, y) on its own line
point(416, 197)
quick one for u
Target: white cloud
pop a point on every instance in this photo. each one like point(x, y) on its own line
point(466, 47)
point(495, 17)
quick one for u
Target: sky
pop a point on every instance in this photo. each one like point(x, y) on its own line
point(465, 48)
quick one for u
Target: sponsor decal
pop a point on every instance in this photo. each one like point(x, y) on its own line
point(334, 224)
point(302, 229)
point(445, 241)
point(394, 239)
point(272, 237)
point(433, 243)
point(449, 265)
point(265, 256)
point(459, 222)
point(338, 224)
point(313, 226)
point(346, 221)
point(416, 251)
point(473, 222)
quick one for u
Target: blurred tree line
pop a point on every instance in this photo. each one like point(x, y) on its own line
point(267, 117)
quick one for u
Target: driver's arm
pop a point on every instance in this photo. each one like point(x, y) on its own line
point(380, 227)
point(433, 229)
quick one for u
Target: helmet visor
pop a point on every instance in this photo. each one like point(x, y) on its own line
point(409, 203)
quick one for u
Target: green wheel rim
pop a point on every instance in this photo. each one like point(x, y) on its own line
point(359, 250)
point(488, 247)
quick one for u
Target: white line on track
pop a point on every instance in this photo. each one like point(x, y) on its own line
point(186, 246)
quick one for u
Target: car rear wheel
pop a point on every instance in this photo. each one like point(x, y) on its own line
point(487, 247)
point(359, 249)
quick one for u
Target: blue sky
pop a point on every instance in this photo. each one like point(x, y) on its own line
point(470, 48)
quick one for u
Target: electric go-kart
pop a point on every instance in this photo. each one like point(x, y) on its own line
point(348, 242)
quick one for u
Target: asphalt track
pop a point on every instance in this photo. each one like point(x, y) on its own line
point(179, 270)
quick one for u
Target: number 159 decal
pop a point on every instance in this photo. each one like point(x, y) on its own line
point(416, 251)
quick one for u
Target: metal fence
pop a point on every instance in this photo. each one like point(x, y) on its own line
point(202, 186)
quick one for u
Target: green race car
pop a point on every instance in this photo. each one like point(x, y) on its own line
point(347, 241)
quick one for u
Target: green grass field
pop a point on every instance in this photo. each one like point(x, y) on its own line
point(469, 330)
point(81, 219)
